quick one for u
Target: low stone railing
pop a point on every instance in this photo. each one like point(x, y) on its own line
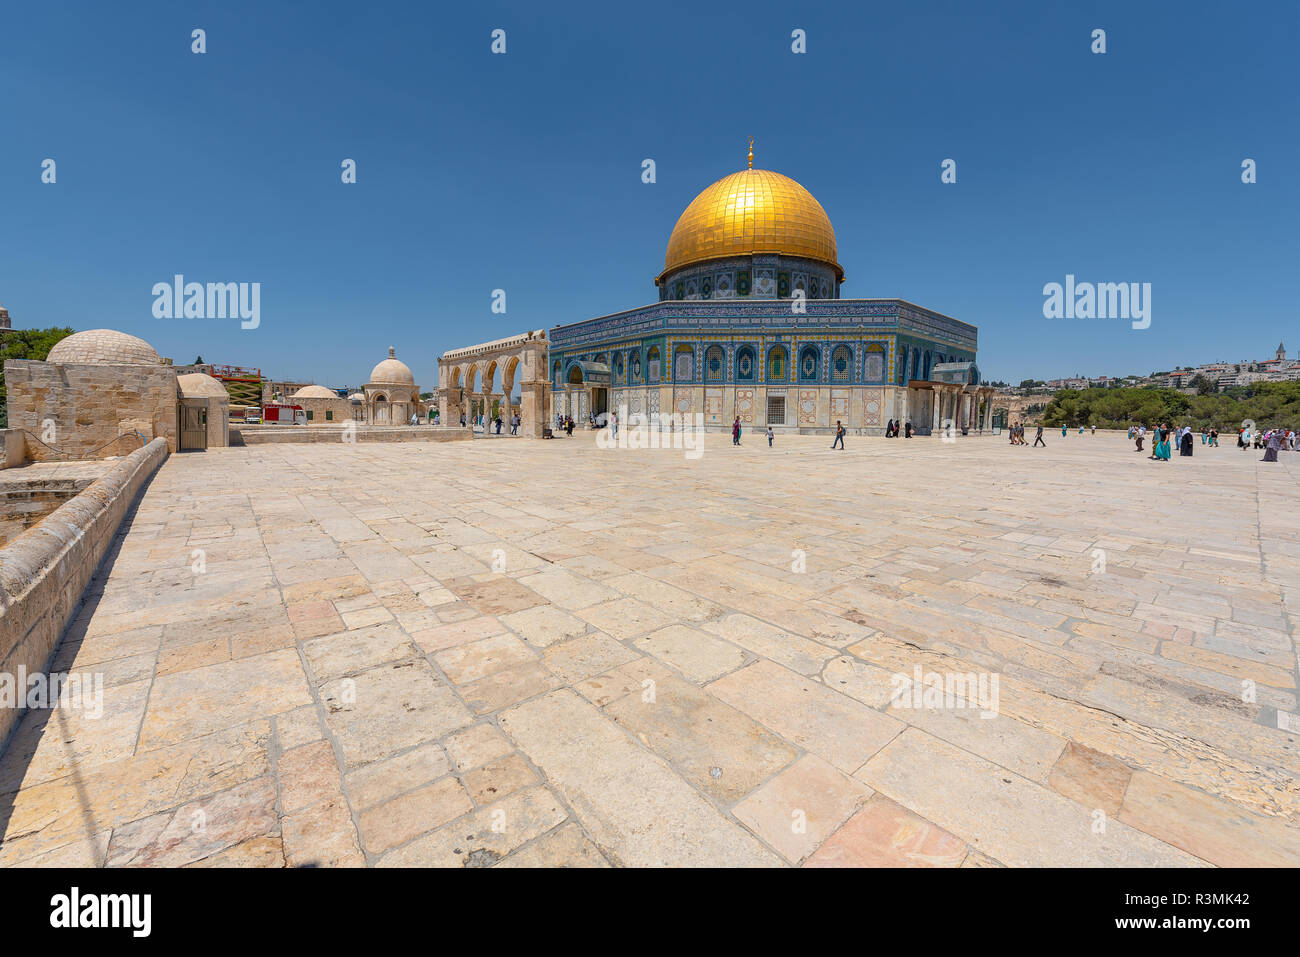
point(44, 571)
point(289, 434)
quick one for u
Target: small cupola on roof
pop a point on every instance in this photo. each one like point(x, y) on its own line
point(392, 371)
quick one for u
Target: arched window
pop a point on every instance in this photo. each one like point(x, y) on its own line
point(635, 365)
point(926, 374)
point(714, 364)
point(652, 364)
point(809, 364)
point(683, 364)
point(745, 365)
point(841, 364)
point(873, 369)
point(555, 373)
point(618, 364)
point(776, 363)
point(916, 363)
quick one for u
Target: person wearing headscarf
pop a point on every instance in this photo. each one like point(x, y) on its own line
point(1185, 443)
point(1274, 443)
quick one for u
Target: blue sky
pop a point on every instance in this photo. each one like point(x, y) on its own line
point(523, 171)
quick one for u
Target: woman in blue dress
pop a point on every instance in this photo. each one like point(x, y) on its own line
point(1162, 444)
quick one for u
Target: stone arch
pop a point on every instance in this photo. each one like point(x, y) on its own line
point(653, 365)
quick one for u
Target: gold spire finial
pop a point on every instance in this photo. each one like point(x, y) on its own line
point(751, 152)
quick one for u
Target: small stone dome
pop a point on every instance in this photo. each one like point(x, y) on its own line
point(198, 385)
point(392, 371)
point(314, 392)
point(103, 347)
point(356, 398)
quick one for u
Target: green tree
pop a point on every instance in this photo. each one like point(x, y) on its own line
point(34, 344)
point(1269, 404)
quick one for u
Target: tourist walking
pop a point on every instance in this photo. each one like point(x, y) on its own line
point(1274, 443)
point(907, 433)
point(1038, 439)
point(889, 429)
point(735, 431)
point(839, 435)
point(1214, 437)
point(769, 436)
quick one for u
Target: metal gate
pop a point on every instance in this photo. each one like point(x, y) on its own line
point(194, 427)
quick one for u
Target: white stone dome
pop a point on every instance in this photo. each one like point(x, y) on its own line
point(314, 392)
point(103, 347)
point(199, 385)
point(392, 371)
point(356, 398)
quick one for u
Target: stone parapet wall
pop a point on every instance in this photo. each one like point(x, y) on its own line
point(15, 451)
point(44, 571)
point(268, 435)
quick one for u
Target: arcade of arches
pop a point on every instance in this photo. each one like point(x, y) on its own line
point(467, 382)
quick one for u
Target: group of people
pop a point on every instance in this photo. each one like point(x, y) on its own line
point(1017, 433)
point(735, 433)
point(1161, 434)
point(1271, 441)
point(891, 430)
point(1165, 437)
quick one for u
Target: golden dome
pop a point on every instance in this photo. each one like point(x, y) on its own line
point(753, 211)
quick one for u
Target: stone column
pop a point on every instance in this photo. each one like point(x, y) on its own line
point(938, 410)
point(532, 408)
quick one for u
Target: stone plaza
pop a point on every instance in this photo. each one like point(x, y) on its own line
point(525, 653)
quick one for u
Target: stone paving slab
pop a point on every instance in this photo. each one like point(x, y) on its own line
point(534, 654)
